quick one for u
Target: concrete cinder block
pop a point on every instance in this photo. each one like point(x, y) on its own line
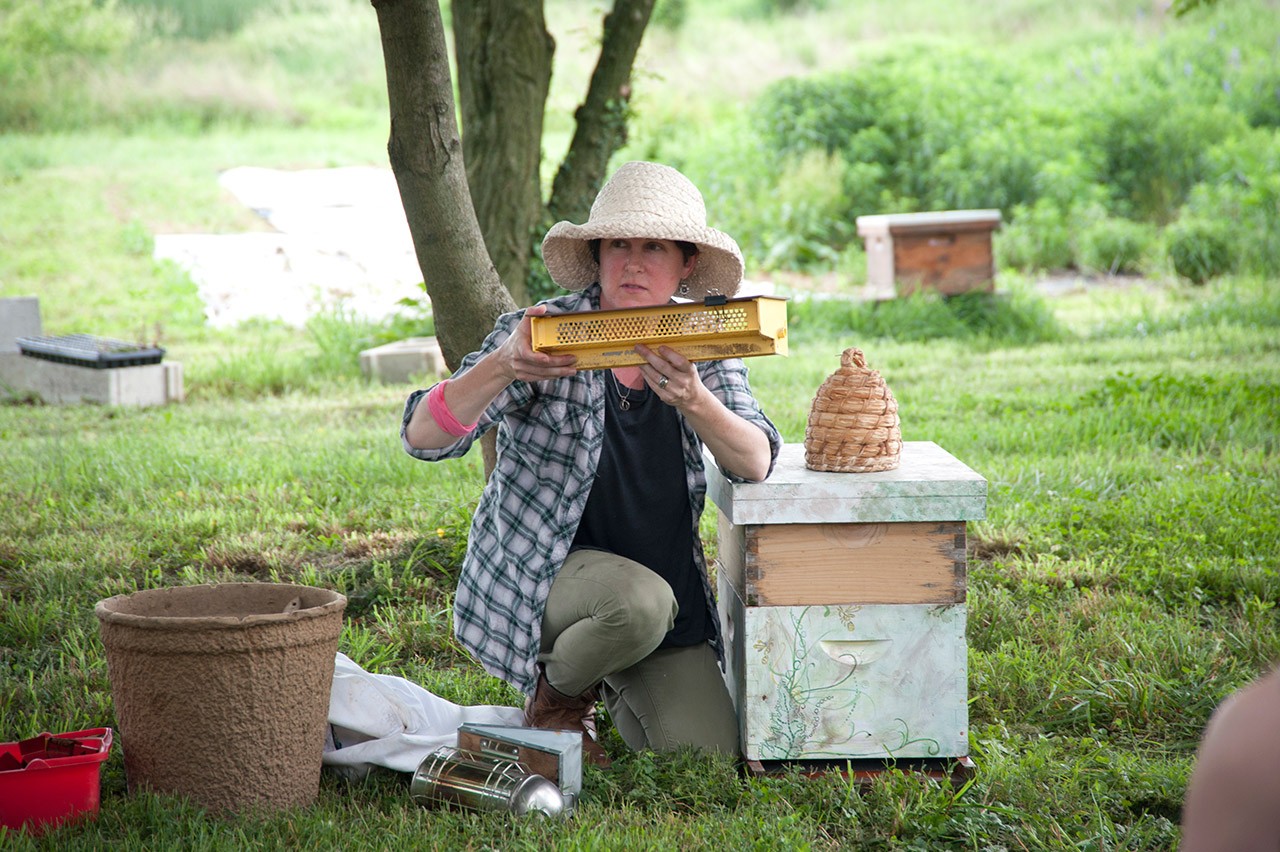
point(403, 360)
point(67, 384)
point(19, 317)
point(62, 384)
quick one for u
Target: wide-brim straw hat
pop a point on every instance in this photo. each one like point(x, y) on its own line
point(645, 201)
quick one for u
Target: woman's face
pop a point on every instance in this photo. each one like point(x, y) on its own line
point(640, 272)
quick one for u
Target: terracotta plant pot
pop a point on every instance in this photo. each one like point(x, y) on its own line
point(221, 692)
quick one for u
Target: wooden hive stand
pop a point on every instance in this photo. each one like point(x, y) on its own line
point(842, 601)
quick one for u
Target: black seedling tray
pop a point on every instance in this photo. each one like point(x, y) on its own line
point(86, 350)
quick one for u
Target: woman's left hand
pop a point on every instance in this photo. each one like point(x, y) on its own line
point(738, 446)
point(670, 375)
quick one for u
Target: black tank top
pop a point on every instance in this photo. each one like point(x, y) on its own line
point(639, 503)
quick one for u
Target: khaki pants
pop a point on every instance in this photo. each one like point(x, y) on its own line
point(604, 619)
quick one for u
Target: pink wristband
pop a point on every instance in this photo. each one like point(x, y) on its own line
point(440, 412)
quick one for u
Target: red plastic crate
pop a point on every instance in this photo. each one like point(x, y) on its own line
point(51, 778)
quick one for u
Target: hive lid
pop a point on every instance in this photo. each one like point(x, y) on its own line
point(950, 221)
point(929, 484)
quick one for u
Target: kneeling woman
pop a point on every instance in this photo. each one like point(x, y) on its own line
point(584, 576)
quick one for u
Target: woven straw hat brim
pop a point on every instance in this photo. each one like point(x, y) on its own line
point(645, 201)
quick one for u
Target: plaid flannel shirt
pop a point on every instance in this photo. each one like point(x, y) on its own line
point(549, 439)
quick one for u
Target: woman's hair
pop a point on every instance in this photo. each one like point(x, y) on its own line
point(686, 248)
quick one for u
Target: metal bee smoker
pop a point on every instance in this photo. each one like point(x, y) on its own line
point(484, 782)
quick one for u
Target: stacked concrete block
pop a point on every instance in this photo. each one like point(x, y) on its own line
point(404, 360)
point(60, 384)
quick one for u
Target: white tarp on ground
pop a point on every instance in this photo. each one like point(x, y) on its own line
point(340, 239)
point(388, 721)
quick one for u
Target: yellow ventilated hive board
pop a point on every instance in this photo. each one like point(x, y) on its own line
point(700, 331)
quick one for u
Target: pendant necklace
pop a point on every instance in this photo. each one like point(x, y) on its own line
point(624, 398)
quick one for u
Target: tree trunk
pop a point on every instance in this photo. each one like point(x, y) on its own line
point(504, 70)
point(504, 57)
point(601, 121)
point(466, 293)
point(426, 158)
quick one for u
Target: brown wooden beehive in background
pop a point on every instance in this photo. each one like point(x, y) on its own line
point(947, 251)
point(853, 425)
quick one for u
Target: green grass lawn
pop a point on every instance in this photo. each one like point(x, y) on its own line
point(1125, 579)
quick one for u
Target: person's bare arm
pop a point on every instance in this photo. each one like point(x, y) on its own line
point(1233, 798)
point(470, 393)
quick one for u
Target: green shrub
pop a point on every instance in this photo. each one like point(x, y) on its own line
point(920, 129)
point(198, 19)
point(1018, 318)
point(670, 15)
point(1153, 145)
point(931, 127)
point(1256, 95)
point(1229, 61)
point(1035, 238)
point(811, 224)
point(996, 167)
point(1200, 249)
point(45, 51)
point(1139, 130)
point(775, 8)
point(828, 112)
point(58, 29)
point(1069, 179)
point(1114, 246)
point(1242, 192)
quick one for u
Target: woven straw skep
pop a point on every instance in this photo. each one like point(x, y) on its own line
point(853, 424)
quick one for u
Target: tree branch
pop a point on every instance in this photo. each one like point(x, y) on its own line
point(601, 127)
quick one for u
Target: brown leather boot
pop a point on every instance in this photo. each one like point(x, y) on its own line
point(550, 708)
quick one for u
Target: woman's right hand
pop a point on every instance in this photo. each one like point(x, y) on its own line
point(467, 395)
point(518, 360)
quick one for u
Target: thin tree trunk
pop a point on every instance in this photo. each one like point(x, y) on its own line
point(426, 156)
point(601, 120)
point(504, 57)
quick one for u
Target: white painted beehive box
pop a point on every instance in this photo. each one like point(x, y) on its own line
point(842, 600)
